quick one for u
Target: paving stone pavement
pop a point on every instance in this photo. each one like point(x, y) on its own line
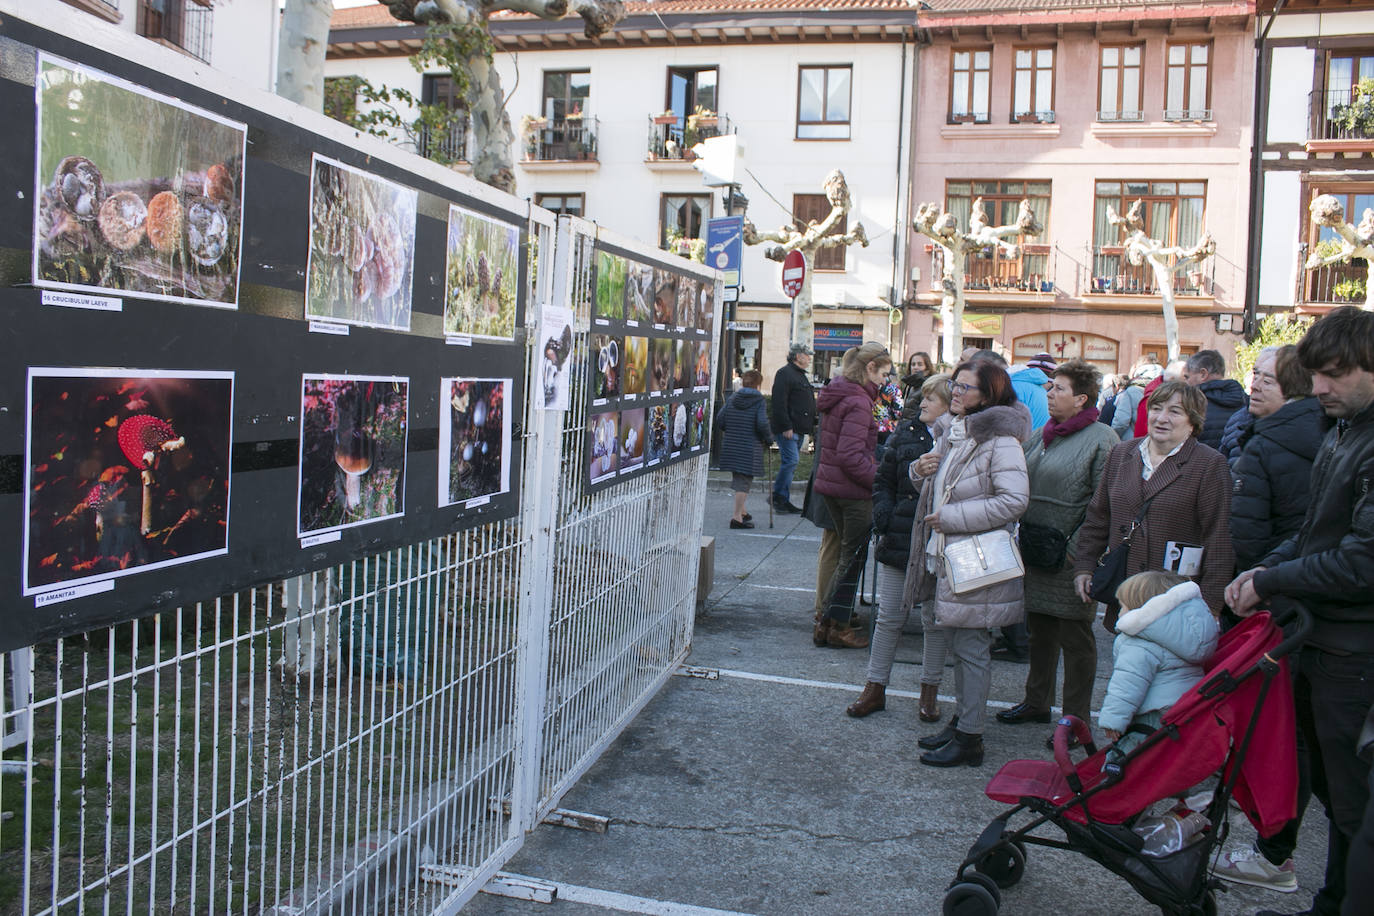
point(754, 793)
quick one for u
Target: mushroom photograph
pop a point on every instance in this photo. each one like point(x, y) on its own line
point(684, 353)
point(697, 430)
point(134, 192)
point(657, 446)
point(706, 309)
point(639, 293)
point(353, 451)
point(610, 286)
point(661, 366)
point(687, 302)
point(126, 472)
point(636, 366)
point(362, 247)
point(678, 431)
point(701, 374)
point(665, 297)
point(631, 440)
point(474, 439)
point(605, 358)
point(481, 275)
point(603, 447)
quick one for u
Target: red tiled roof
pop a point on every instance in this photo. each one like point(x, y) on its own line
point(373, 16)
point(1181, 7)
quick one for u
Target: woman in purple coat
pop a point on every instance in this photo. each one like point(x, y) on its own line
point(844, 479)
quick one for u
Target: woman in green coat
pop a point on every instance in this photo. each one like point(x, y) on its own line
point(1064, 459)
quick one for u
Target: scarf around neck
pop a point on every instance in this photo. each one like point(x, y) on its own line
point(1081, 420)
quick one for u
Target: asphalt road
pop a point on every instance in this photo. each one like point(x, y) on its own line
point(754, 793)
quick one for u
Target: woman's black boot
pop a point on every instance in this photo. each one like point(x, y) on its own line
point(964, 749)
point(941, 738)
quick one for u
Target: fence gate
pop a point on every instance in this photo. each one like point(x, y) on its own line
point(378, 735)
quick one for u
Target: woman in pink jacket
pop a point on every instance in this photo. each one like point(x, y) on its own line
point(844, 479)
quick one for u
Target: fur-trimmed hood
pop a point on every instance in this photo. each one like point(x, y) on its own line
point(1177, 620)
point(990, 422)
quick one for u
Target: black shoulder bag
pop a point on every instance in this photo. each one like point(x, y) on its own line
point(1042, 547)
point(1111, 566)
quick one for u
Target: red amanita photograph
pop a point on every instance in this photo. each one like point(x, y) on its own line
point(142, 439)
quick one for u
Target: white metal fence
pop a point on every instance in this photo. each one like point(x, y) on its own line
point(375, 737)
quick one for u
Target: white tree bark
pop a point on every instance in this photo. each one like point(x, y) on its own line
point(815, 237)
point(493, 139)
point(300, 51)
point(1141, 249)
point(1356, 241)
point(940, 227)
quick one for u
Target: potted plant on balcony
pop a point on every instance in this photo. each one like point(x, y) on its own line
point(666, 117)
point(1356, 118)
point(1351, 289)
point(702, 117)
point(1027, 117)
point(530, 126)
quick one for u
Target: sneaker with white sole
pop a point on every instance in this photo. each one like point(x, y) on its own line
point(1249, 866)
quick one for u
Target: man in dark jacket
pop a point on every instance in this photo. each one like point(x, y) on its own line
point(1329, 567)
point(1206, 372)
point(793, 418)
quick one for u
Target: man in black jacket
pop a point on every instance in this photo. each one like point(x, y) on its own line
point(1329, 567)
point(1206, 371)
point(793, 418)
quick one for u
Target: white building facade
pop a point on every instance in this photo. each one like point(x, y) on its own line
point(807, 87)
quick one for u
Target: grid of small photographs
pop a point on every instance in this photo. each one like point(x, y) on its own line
point(649, 367)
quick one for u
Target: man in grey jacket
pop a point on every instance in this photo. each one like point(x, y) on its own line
point(1328, 566)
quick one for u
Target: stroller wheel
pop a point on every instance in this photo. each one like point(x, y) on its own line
point(969, 899)
point(1005, 863)
point(977, 877)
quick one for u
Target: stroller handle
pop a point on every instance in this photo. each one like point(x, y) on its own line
point(1285, 610)
point(1079, 729)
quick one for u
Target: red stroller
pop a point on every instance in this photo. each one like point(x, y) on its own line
point(1211, 728)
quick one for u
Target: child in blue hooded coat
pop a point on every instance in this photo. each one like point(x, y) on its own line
point(1164, 636)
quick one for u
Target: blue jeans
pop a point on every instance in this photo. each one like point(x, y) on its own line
point(789, 453)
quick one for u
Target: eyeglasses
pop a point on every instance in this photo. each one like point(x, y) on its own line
point(957, 387)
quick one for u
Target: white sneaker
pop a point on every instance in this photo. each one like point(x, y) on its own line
point(1249, 866)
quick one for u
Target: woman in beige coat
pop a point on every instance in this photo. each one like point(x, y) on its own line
point(979, 485)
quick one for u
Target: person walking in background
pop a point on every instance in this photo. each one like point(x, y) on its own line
point(844, 479)
point(1206, 371)
point(1131, 396)
point(743, 427)
point(1273, 472)
point(887, 410)
point(1166, 489)
point(793, 418)
point(1030, 382)
point(1329, 567)
point(1064, 460)
point(974, 482)
point(1175, 371)
point(918, 369)
point(895, 496)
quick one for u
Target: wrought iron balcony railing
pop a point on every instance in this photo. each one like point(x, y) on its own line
point(1112, 274)
point(562, 139)
point(1338, 116)
point(673, 139)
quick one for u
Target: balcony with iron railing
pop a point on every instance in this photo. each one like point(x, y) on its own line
point(1336, 284)
point(1112, 274)
point(1033, 117)
point(1113, 117)
point(182, 24)
point(1187, 114)
point(671, 139)
point(450, 145)
point(1340, 116)
point(562, 140)
point(1031, 271)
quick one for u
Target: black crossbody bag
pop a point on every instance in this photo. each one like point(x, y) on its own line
point(1111, 566)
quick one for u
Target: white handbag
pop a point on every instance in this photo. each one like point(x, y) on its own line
point(974, 561)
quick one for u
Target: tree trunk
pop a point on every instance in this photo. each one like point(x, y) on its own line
point(492, 136)
point(300, 51)
point(1164, 276)
point(803, 315)
point(952, 309)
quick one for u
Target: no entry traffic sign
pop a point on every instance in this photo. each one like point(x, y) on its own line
point(793, 273)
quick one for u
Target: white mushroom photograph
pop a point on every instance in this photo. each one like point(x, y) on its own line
point(474, 439)
point(126, 471)
point(134, 193)
point(362, 247)
point(353, 450)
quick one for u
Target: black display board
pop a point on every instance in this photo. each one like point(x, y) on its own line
point(649, 365)
point(233, 348)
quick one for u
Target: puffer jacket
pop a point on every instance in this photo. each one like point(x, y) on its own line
point(1329, 564)
point(991, 492)
point(1063, 479)
point(1239, 425)
point(1273, 474)
point(1029, 384)
point(1158, 654)
point(1224, 397)
point(894, 492)
point(743, 425)
point(849, 438)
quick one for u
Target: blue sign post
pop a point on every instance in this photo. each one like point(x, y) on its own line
point(725, 246)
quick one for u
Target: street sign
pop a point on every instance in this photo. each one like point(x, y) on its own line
point(725, 246)
point(793, 273)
